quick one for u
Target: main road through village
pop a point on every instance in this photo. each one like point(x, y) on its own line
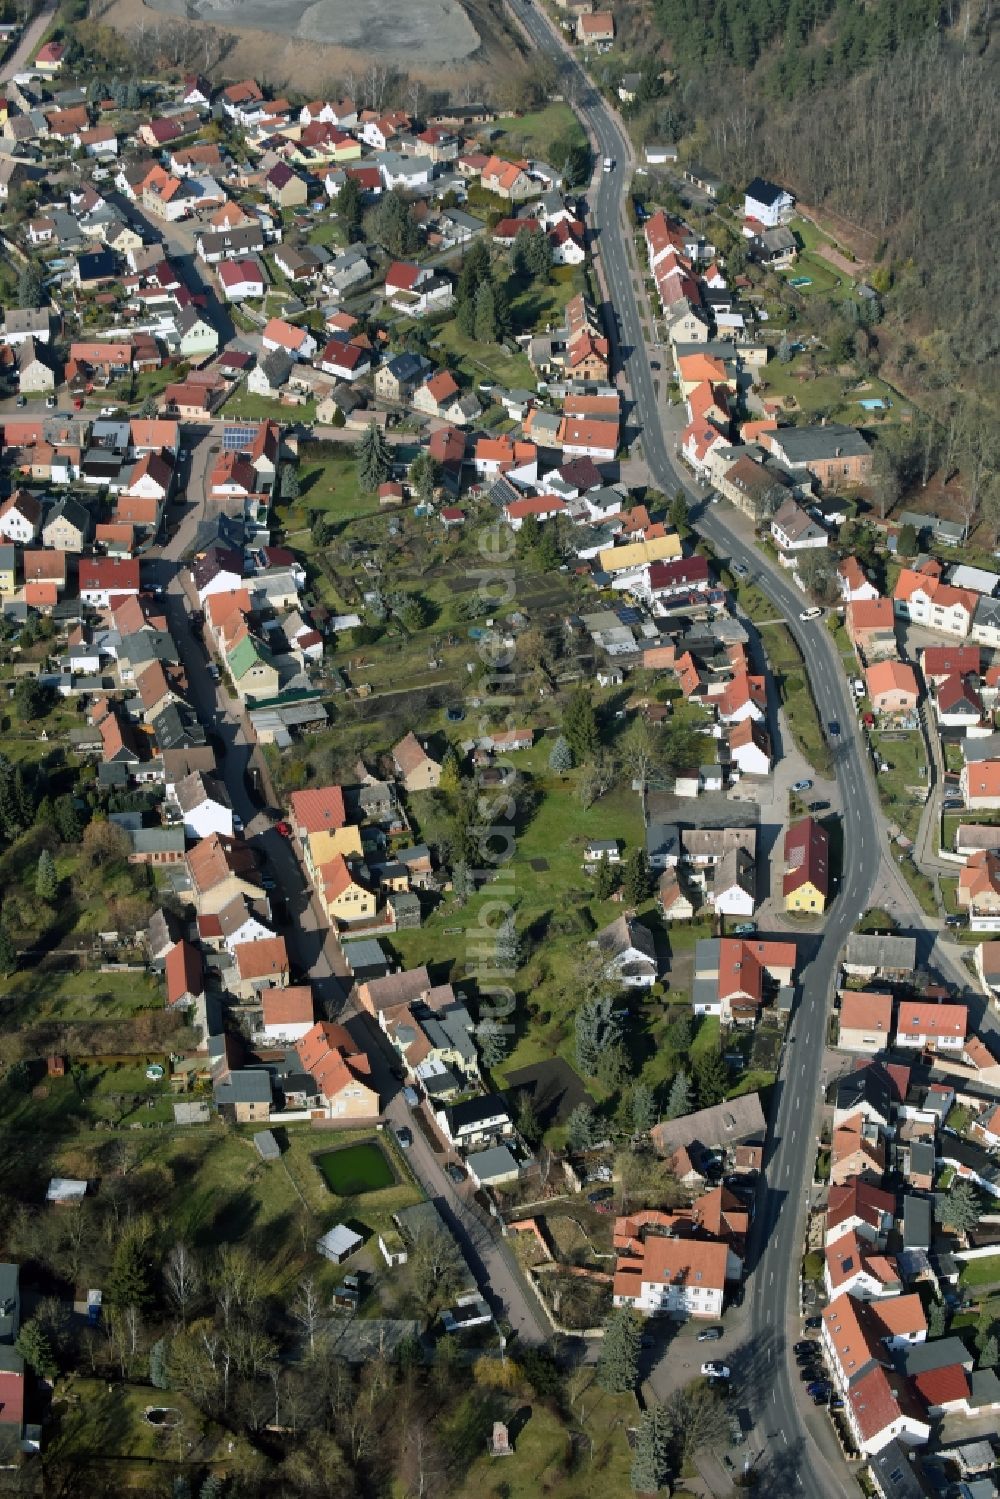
point(792, 1458)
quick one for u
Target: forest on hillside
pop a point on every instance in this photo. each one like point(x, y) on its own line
point(884, 113)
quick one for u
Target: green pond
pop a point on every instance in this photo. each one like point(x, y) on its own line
point(355, 1169)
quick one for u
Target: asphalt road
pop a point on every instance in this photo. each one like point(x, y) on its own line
point(791, 1456)
point(24, 53)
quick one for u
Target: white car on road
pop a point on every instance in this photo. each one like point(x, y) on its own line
point(813, 613)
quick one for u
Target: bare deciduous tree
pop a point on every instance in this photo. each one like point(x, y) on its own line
point(182, 1276)
point(306, 1309)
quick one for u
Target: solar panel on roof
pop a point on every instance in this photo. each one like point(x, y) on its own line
point(238, 439)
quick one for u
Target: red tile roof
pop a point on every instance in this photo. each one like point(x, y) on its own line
point(319, 809)
point(807, 861)
point(942, 1386)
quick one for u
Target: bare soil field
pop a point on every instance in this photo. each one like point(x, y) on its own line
point(439, 31)
point(314, 45)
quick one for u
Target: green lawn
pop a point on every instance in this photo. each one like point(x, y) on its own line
point(260, 408)
point(754, 602)
point(984, 1272)
point(329, 486)
point(148, 385)
point(543, 1461)
point(907, 757)
point(556, 912)
point(328, 232)
point(796, 697)
point(482, 361)
point(830, 393)
point(707, 1036)
point(538, 304)
point(72, 995)
point(822, 275)
point(99, 1426)
point(534, 134)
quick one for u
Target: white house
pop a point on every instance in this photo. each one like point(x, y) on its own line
point(298, 342)
point(20, 517)
point(630, 953)
point(931, 1027)
point(749, 748)
point(731, 891)
point(345, 361)
point(855, 586)
point(240, 280)
point(675, 1277)
point(205, 806)
point(475, 1121)
point(768, 203)
point(880, 1409)
point(151, 478)
point(927, 601)
point(237, 924)
point(286, 1014)
point(795, 531)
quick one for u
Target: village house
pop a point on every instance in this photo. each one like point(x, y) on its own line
point(297, 342)
point(20, 517)
point(806, 883)
point(676, 1277)
point(507, 180)
point(221, 869)
point(892, 687)
point(595, 28)
point(734, 977)
point(795, 531)
point(978, 890)
point(865, 1021)
point(204, 805)
point(286, 1015)
point(957, 703)
point(241, 279)
point(259, 965)
point(629, 953)
point(924, 599)
point(871, 628)
point(854, 585)
point(931, 1027)
point(414, 766)
point(979, 782)
point(341, 1072)
point(862, 1209)
point(767, 203)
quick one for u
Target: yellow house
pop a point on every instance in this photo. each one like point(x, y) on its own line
point(322, 848)
point(807, 867)
point(8, 570)
point(344, 899)
point(326, 151)
point(638, 553)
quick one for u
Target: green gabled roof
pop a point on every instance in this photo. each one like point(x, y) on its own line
point(247, 654)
